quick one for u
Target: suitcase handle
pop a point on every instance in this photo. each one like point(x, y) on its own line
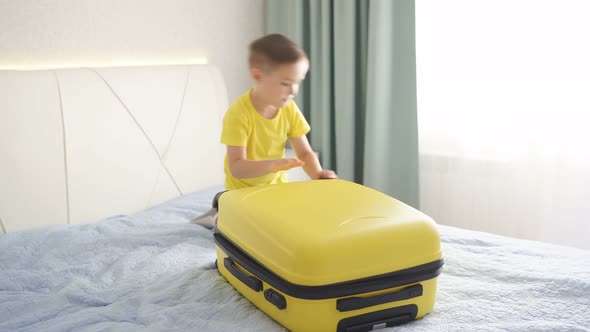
point(378, 319)
point(248, 280)
point(354, 303)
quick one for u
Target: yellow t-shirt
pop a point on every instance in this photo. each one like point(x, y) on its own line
point(263, 138)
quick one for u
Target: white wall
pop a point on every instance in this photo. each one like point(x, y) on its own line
point(74, 33)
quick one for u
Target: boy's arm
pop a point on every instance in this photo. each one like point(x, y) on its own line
point(240, 167)
point(312, 165)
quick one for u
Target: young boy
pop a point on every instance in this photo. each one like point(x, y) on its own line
point(257, 125)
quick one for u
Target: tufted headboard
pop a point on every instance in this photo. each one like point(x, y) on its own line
point(78, 145)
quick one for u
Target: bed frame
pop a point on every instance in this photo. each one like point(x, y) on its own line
point(79, 145)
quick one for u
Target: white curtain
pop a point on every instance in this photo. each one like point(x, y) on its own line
point(504, 116)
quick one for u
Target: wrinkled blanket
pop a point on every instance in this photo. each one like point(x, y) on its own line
point(154, 271)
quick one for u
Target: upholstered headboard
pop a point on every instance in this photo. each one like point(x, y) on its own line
point(79, 145)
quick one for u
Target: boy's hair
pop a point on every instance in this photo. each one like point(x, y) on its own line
point(274, 49)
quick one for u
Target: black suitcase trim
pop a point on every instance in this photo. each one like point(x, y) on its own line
point(389, 280)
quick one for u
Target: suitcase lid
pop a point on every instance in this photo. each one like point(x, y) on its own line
point(327, 231)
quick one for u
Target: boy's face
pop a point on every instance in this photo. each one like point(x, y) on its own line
point(280, 84)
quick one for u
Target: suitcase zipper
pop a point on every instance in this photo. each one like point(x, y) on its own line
point(358, 286)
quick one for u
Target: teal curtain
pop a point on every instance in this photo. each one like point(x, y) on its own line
point(360, 94)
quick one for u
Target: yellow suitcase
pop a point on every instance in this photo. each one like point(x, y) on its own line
point(328, 255)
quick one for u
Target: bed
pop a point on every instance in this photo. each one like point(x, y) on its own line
point(103, 170)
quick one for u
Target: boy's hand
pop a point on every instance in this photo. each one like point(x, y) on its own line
point(327, 174)
point(285, 164)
